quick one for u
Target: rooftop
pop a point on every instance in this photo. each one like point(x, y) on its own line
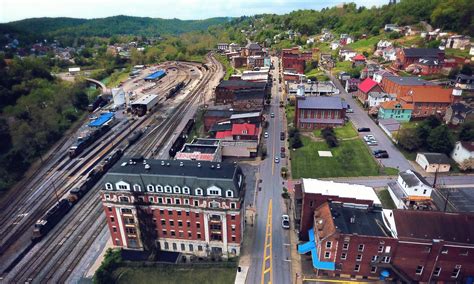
point(429, 225)
point(241, 84)
point(413, 178)
point(428, 95)
point(367, 85)
point(155, 75)
point(346, 190)
point(221, 127)
point(396, 105)
point(205, 141)
point(381, 95)
point(361, 221)
point(245, 115)
point(460, 199)
point(205, 149)
point(145, 100)
point(321, 103)
point(244, 129)
point(198, 169)
point(409, 81)
point(218, 112)
point(436, 158)
point(422, 52)
point(249, 95)
point(468, 145)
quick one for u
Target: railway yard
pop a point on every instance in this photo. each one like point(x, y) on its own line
point(63, 252)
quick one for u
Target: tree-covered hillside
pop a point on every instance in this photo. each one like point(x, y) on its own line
point(117, 25)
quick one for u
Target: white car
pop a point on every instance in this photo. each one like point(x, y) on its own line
point(285, 221)
point(372, 143)
point(272, 115)
point(369, 137)
point(265, 135)
point(349, 110)
point(277, 160)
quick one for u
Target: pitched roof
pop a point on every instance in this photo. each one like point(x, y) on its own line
point(249, 95)
point(460, 107)
point(409, 81)
point(253, 45)
point(367, 85)
point(244, 129)
point(321, 103)
point(429, 61)
point(393, 104)
point(381, 95)
point(422, 52)
point(428, 95)
point(436, 158)
point(412, 178)
point(468, 145)
point(343, 190)
point(359, 57)
point(429, 225)
point(224, 134)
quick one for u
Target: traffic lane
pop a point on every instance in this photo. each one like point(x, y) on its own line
point(361, 119)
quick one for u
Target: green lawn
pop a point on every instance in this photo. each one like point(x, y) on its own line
point(386, 200)
point(350, 159)
point(365, 44)
point(345, 132)
point(342, 66)
point(169, 275)
point(318, 74)
point(390, 171)
point(290, 114)
point(115, 78)
point(457, 52)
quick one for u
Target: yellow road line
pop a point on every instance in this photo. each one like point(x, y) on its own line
point(268, 243)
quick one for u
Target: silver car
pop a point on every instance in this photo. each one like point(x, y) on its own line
point(285, 221)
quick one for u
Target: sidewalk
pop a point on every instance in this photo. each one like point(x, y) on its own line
point(245, 260)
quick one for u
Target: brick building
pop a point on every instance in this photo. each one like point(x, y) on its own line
point(358, 241)
point(248, 100)
point(191, 207)
point(427, 101)
point(212, 116)
point(292, 59)
point(365, 87)
point(225, 91)
point(400, 86)
point(319, 112)
point(408, 56)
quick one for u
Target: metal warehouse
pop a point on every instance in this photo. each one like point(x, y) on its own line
point(144, 104)
point(102, 119)
point(155, 76)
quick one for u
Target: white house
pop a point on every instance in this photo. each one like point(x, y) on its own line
point(389, 54)
point(334, 45)
point(223, 46)
point(376, 98)
point(433, 162)
point(347, 54)
point(378, 75)
point(463, 154)
point(383, 44)
point(409, 190)
point(74, 70)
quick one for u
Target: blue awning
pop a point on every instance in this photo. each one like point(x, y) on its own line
point(312, 246)
point(103, 118)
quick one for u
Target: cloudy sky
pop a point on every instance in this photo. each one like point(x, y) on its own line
point(12, 10)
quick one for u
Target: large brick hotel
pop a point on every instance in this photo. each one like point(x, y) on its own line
point(191, 207)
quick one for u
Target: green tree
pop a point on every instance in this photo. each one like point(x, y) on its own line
point(467, 131)
point(466, 70)
point(408, 139)
point(440, 140)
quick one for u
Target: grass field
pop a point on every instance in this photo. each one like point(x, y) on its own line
point(457, 52)
point(351, 158)
point(385, 198)
point(207, 275)
point(290, 114)
point(345, 132)
point(365, 44)
point(342, 66)
point(115, 78)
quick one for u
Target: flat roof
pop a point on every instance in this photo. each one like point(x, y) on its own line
point(459, 199)
point(326, 187)
point(145, 100)
point(245, 115)
point(103, 118)
point(155, 75)
point(204, 149)
point(206, 141)
point(321, 103)
point(353, 220)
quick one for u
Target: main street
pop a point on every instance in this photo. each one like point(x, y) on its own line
point(271, 250)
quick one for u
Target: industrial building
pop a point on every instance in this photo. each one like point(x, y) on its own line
point(144, 104)
point(118, 95)
point(155, 75)
point(190, 207)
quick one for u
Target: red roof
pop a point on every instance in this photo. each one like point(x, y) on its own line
point(223, 134)
point(367, 85)
point(244, 129)
point(428, 95)
point(358, 57)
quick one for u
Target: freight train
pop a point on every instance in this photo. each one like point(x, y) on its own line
point(98, 102)
point(134, 137)
point(60, 209)
point(181, 139)
point(83, 142)
point(175, 89)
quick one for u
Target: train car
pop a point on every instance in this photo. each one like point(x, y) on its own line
point(181, 139)
point(83, 142)
point(187, 128)
point(98, 102)
point(134, 137)
point(175, 90)
point(50, 219)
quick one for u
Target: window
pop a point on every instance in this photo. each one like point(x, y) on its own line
point(437, 271)
point(199, 236)
point(112, 219)
point(137, 187)
point(150, 199)
point(190, 235)
point(424, 191)
point(188, 223)
point(357, 267)
point(232, 205)
point(180, 223)
point(150, 188)
point(124, 199)
point(131, 231)
point(344, 255)
point(186, 190)
point(171, 222)
point(109, 208)
point(170, 212)
point(198, 191)
point(114, 229)
point(160, 200)
point(186, 201)
point(178, 212)
point(327, 254)
point(196, 203)
point(359, 257)
point(419, 270)
point(164, 232)
point(107, 197)
point(162, 212)
point(159, 188)
point(177, 201)
point(229, 193)
point(183, 247)
point(167, 246)
point(196, 215)
point(173, 233)
point(199, 248)
point(456, 271)
point(175, 247)
point(328, 244)
point(387, 249)
point(198, 225)
point(191, 248)
point(176, 189)
point(214, 204)
point(168, 189)
point(374, 258)
point(380, 249)
point(361, 248)
point(385, 259)
point(109, 186)
point(123, 187)
point(213, 190)
point(233, 238)
point(345, 246)
point(232, 217)
point(444, 251)
point(373, 269)
point(169, 201)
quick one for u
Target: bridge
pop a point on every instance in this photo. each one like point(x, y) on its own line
point(99, 84)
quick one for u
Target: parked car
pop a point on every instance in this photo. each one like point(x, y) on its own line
point(272, 115)
point(369, 137)
point(282, 155)
point(372, 143)
point(381, 155)
point(285, 221)
point(379, 151)
point(282, 136)
point(277, 160)
point(282, 149)
point(349, 110)
point(363, 129)
point(265, 135)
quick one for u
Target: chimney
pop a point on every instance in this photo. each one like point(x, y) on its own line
point(353, 219)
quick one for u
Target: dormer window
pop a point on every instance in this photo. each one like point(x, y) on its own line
point(176, 189)
point(185, 190)
point(150, 188)
point(198, 191)
point(168, 189)
point(229, 193)
point(137, 187)
point(109, 186)
point(159, 188)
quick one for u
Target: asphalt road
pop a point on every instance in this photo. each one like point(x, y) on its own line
point(271, 252)
point(462, 181)
point(361, 119)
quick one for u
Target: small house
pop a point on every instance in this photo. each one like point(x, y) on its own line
point(463, 154)
point(410, 189)
point(433, 162)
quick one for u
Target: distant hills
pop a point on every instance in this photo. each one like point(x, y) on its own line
point(106, 27)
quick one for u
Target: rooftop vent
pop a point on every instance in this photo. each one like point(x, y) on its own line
point(147, 167)
point(199, 165)
point(212, 166)
point(168, 164)
point(144, 162)
point(353, 220)
point(124, 164)
point(181, 164)
point(162, 163)
point(218, 166)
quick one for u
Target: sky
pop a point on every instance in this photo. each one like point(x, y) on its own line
point(12, 10)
